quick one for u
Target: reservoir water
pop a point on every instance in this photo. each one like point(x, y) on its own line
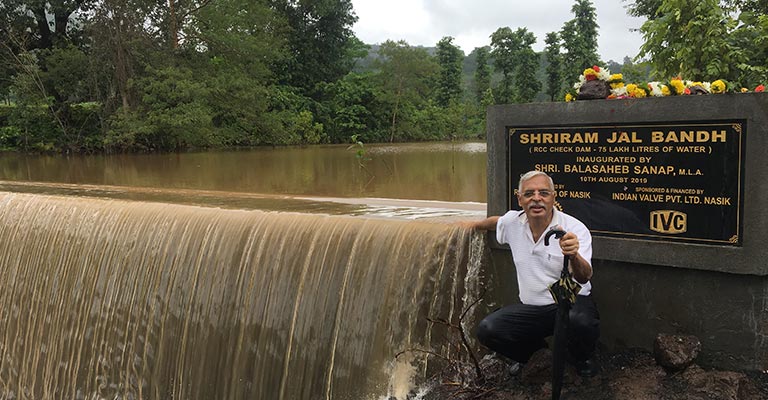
point(263, 274)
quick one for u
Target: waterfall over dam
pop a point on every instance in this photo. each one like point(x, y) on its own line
point(115, 299)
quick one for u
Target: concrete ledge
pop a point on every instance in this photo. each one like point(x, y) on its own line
point(645, 287)
point(751, 107)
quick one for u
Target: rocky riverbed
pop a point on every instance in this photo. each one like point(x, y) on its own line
point(627, 375)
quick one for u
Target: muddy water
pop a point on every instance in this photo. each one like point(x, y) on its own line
point(293, 273)
point(453, 172)
point(135, 300)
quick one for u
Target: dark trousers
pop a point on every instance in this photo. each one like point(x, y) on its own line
point(518, 330)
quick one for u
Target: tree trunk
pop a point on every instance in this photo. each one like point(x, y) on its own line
point(398, 94)
point(173, 25)
point(46, 39)
point(121, 74)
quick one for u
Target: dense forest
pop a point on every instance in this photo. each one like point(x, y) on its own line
point(84, 76)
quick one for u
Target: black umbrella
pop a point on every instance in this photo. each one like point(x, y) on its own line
point(564, 292)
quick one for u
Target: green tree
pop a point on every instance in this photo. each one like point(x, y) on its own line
point(407, 76)
point(526, 81)
point(174, 114)
point(50, 80)
point(40, 24)
point(752, 36)
point(650, 8)
point(482, 74)
point(148, 75)
point(690, 38)
point(738, 27)
point(634, 72)
point(230, 44)
point(353, 106)
point(754, 6)
point(554, 66)
point(504, 47)
point(34, 118)
point(449, 59)
point(644, 8)
point(518, 64)
point(223, 60)
point(43, 48)
point(121, 45)
point(579, 36)
point(320, 41)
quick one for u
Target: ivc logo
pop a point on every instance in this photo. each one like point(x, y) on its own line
point(669, 221)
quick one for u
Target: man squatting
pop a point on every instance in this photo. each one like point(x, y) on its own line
point(517, 331)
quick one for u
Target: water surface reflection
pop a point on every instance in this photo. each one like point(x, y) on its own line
point(451, 172)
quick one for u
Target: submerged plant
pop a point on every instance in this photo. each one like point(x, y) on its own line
point(361, 154)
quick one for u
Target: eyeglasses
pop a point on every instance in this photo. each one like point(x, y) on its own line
point(544, 193)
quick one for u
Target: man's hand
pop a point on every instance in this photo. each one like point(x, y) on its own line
point(569, 244)
point(578, 266)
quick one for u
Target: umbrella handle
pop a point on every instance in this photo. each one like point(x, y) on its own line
point(557, 232)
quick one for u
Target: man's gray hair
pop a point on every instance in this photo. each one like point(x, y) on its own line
point(530, 174)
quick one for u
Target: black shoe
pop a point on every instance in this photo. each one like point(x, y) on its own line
point(587, 368)
point(514, 368)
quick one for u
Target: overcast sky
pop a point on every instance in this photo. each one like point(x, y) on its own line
point(471, 22)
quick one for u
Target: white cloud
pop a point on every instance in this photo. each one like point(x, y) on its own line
point(471, 22)
point(392, 20)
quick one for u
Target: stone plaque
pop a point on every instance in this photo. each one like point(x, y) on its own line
point(679, 182)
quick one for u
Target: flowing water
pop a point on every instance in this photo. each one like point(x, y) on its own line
point(164, 293)
point(454, 172)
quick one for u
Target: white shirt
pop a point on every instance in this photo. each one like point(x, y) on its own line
point(538, 265)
